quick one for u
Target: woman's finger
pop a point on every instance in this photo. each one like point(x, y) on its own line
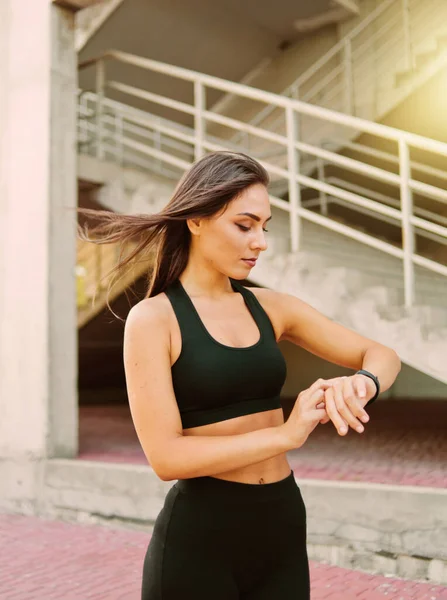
point(360, 387)
point(332, 412)
point(354, 399)
point(325, 419)
point(344, 408)
point(317, 388)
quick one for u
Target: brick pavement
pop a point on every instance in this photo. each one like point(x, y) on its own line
point(404, 443)
point(53, 560)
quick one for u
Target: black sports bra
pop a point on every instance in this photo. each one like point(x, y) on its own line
point(214, 382)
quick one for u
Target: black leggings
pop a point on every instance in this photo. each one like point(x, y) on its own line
point(224, 540)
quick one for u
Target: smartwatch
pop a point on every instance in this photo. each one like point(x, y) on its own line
point(376, 381)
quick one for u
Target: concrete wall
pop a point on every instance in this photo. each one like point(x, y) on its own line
point(37, 230)
point(375, 527)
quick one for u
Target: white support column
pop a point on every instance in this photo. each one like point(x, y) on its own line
point(293, 165)
point(199, 120)
point(408, 237)
point(38, 192)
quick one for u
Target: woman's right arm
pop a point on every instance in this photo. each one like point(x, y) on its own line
point(156, 415)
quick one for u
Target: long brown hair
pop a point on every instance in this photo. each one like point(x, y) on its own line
point(204, 190)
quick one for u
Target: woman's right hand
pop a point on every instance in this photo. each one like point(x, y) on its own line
point(305, 415)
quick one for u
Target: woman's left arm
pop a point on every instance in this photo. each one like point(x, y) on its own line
point(305, 326)
point(298, 322)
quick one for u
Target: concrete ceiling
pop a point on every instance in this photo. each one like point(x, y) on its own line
point(76, 4)
point(278, 17)
point(227, 39)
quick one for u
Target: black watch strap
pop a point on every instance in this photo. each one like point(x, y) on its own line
point(376, 381)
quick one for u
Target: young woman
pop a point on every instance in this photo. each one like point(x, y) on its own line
point(204, 376)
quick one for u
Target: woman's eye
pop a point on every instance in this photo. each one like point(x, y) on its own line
point(248, 228)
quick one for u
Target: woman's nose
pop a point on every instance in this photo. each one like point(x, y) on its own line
point(260, 242)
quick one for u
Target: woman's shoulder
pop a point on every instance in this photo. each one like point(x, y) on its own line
point(266, 297)
point(150, 312)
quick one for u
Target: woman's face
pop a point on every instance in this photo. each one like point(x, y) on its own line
point(231, 241)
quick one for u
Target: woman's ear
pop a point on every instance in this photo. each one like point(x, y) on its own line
point(194, 225)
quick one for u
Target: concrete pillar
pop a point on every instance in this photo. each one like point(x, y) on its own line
point(38, 333)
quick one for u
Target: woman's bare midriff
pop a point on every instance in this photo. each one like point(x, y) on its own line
point(266, 471)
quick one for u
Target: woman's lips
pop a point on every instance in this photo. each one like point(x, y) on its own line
point(250, 261)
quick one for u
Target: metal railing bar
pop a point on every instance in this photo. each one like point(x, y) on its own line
point(322, 83)
point(351, 197)
point(182, 133)
point(279, 203)
point(349, 163)
point(150, 97)
point(178, 162)
point(323, 60)
point(331, 94)
point(247, 128)
point(156, 126)
point(427, 226)
point(165, 141)
point(120, 107)
point(429, 264)
point(350, 232)
point(386, 199)
point(147, 164)
point(318, 112)
point(441, 239)
point(381, 154)
point(271, 168)
point(428, 190)
point(171, 132)
point(374, 36)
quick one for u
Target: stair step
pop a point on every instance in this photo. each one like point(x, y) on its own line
point(423, 59)
point(404, 77)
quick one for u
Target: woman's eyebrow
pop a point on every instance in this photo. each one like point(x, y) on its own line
point(252, 216)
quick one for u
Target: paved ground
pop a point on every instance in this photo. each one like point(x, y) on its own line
point(52, 560)
point(404, 443)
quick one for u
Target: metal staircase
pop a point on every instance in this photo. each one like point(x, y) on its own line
point(392, 289)
point(386, 56)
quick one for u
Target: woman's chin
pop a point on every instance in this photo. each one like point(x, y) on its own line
point(241, 273)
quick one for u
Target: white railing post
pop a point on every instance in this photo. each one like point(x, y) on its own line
point(349, 84)
point(323, 197)
point(293, 169)
point(119, 133)
point(157, 146)
point(100, 87)
point(83, 124)
point(295, 91)
point(408, 239)
point(199, 120)
point(407, 33)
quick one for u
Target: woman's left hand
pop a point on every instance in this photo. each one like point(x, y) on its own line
point(344, 401)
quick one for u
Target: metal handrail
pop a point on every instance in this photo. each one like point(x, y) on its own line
point(407, 38)
point(390, 133)
point(291, 90)
point(387, 217)
point(381, 154)
point(294, 147)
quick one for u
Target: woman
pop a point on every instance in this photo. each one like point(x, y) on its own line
point(204, 375)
